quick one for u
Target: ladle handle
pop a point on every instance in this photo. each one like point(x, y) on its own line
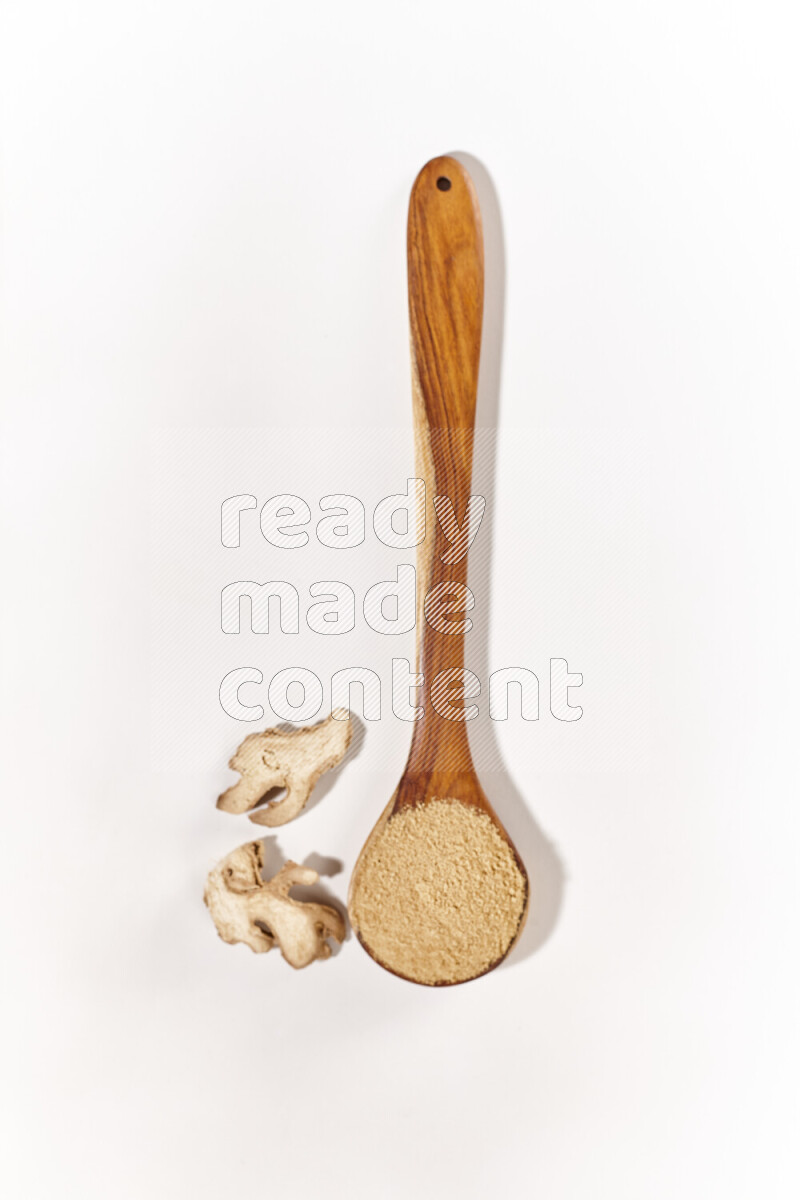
point(445, 293)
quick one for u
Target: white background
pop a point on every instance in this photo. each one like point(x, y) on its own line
point(203, 228)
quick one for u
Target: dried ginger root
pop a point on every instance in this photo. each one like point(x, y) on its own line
point(294, 760)
point(262, 914)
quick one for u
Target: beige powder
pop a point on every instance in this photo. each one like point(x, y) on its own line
point(438, 896)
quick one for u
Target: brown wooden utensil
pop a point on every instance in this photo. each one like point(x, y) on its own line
point(445, 283)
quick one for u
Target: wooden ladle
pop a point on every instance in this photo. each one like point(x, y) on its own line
point(445, 285)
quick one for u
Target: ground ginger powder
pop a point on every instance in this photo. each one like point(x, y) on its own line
point(438, 896)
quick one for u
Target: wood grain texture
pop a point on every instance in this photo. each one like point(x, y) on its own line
point(445, 299)
point(445, 290)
